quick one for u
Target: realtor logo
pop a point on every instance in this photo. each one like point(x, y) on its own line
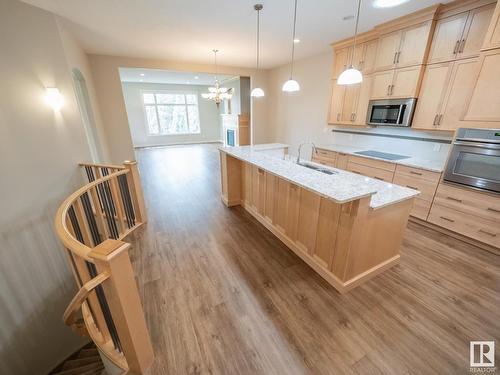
point(482, 354)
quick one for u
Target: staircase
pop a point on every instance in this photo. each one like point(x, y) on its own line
point(84, 362)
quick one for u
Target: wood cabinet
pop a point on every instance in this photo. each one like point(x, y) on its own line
point(492, 38)
point(349, 103)
point(483, 104)
point(340, 59)
point(444, 94)
point(377, 169)
point(404, 47)
point(363, 59)
point(397, 83)
point(461, 35)
point(336, 102)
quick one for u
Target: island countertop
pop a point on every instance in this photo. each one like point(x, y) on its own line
point(341, 187)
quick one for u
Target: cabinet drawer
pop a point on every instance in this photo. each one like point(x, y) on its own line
point(468, 225)
point(325, 161)
point(379, 174)
point(372, 163)
point(427, 188)
point(420, 208)
point(418, 173)
point(470, 202)
point(325, 153)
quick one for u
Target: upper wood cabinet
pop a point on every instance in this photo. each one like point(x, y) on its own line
point(397, 83)
point(484, 98)
point(404, 47)
point(370, 52)
point(349, 103)
point(492, 38)
point(336, 103)
point(461, 35)
point(340, 58)
point(444, 93)
point(363, 59)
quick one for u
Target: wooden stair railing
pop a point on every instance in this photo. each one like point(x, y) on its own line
point(92, 223)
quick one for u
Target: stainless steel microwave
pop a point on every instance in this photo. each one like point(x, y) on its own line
point(391, 112)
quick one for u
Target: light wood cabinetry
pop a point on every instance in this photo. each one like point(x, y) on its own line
point(397, 83)
point(377, 169)
point(363, 59)
point(349, 103)
point(460, 35)
point(492, 38)
point(405, 47)
point(444, 94)
point(340, 59)
point(483, 101)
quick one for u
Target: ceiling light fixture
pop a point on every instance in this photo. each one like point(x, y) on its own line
point(257, 92)
point(54, 98)
point(142, 74)
point(296, 40)
point(216, 92)
point(351, 75)
point(292, 85)
point(388, 3)
point(196, 77)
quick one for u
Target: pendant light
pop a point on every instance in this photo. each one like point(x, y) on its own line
point(292, 85)
point(351, 75)
point(217, 93)
point(257, 92)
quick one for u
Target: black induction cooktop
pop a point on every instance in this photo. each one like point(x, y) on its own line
point(382, 155)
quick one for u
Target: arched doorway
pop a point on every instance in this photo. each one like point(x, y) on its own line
point(87, 114)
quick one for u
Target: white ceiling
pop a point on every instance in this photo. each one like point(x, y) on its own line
point(170, 77)
point(187, 30)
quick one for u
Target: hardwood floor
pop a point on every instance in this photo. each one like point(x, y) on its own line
point(222, 295)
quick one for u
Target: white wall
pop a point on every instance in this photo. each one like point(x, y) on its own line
point(209, 116)
point(39, 152)
point(302, 117)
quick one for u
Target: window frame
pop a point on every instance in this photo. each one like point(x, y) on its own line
point(155, 105)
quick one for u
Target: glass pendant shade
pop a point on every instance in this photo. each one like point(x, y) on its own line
point(291, 86)
point(350, 76)
point(257, 92)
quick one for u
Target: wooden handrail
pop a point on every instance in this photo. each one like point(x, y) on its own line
point(81, 296)
point(102, 165)
point(68, 240)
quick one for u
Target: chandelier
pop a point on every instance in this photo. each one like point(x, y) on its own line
point(217, 93)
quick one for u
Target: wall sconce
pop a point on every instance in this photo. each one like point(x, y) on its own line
point(53, 98)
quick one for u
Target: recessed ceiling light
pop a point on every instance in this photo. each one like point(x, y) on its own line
point(142, 74)
point(196, 77)
point(296, 40)
point(141, 80)
point(388, 3)
point(187, 82)
point(349, 17)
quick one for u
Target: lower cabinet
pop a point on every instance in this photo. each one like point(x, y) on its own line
point(377, 169)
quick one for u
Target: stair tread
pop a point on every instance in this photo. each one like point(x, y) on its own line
point(77, 362)
point(82, 369)
point(87, 353)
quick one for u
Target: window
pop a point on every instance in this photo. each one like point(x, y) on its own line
point(171, 113)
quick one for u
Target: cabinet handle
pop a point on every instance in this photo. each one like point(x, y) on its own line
point(417, 173)
point(378, 178)
point(411, 187)
point(435, 120)
point(394, 58)
point(457, 44)
point(462, 45)
point(338, 116)
point(353, 117)
point(440, 117)
point(488, 233)
point(261, 171)
point(447, 219)
point(355, 172)
point(493, 210)
point(398, 56)
point(454, 199)
point(392, 89)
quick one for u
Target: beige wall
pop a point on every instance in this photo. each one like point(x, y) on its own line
point(39, 152)
point(109, 93)
point(301, 117)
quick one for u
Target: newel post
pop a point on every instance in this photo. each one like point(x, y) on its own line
point(135, 186)
point(124, 303)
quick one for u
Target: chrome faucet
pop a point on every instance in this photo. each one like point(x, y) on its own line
point(300, 146)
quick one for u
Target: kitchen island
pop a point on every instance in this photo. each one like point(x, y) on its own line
point(347, 227)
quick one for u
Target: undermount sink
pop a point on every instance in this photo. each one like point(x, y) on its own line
point(317, 168)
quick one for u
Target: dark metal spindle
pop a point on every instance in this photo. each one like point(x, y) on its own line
point(89, 214)
point(127, 202)
point(110, 220)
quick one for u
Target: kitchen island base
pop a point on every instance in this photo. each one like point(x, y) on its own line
point(346, 243)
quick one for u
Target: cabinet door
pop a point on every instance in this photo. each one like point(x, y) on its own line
point(368, 62)
point(336, 102)
point(413, 46)
point(492, 39)
point(359, 55)
point(388, 46)
point(484, 101)
point(406, 82)
point(340, 61)
point(362, 101)
point(342, 160)
point(349, 106)
point(381, 83)
point(447, 36)
point(475, 31)
point(432, 94)
point(459, 88)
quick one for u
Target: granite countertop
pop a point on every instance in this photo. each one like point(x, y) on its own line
point(341, 187)
point(427, 164)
